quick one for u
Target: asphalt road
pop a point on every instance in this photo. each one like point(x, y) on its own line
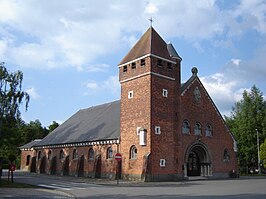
point(244, 188)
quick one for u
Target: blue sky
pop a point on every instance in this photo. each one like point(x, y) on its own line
point(68, 50)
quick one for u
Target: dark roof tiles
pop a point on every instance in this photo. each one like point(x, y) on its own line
point(95, 123)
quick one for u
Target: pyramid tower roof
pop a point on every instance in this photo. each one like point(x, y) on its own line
point(150, 43)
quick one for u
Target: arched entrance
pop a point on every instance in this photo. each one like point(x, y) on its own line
point(53, 166)
point(80, 166)
point(66, 166)
point(43, 165)
point(197, 161)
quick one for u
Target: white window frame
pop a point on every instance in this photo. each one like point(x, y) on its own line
point(157, 130)
point(162, 162)
point(165, 93)
point(138, 128)
point(130, 94)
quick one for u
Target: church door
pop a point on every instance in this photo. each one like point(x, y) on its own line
point(193, 166)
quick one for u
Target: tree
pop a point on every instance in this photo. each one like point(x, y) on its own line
point(11, 98)
point(31, 131)
point(248, 115)
point(263, 153)
point(53, 126)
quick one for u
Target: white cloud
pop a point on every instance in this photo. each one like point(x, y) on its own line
point(236, 61)
point(151, 8)
point(92, 86)
point(75, 33)
point(110, 85)
point(33, 93)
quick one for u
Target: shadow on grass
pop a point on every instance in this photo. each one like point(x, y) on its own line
point(8, 184)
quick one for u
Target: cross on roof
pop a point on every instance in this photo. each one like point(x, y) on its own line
point(151, 20)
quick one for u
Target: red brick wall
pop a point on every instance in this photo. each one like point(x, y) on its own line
point(108, 166)
point(135, 113)
point(205, 113)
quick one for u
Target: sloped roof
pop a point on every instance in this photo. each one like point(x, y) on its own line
point(95, 123)
point(30, 144)
point(149, 43)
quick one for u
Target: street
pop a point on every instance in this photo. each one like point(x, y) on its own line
point(246, 187)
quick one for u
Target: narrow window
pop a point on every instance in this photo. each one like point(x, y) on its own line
point(160, 63)
point(197, 129)
point(133, 65)
point(157, 130)
point(226, 156)
point(185, 127)
point(91, 154)
point(162, 162)
point(109, 154)
point(39, 155)
point(142, 62)
point(142, 137)
point(28, 160)
point(61, 155)
point(165, 93)
point(49, 155)
point(208, 130)
point(133, 152)
point(124, 69)
point(75, 154)
point(130, 95)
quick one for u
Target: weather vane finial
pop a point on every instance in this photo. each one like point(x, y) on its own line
point(151, 20)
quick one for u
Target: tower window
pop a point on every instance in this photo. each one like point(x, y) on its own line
point(165, 92)
point(162, 162)
point(169, 65)
point(124, 69)
point(133, 65)
point(133, 152)
point(130, 95)
point(160, 63)
point(157, 130)
point(142, 62)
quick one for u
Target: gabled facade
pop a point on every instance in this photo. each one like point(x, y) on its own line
point(164, 130)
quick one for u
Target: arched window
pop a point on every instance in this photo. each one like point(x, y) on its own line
point(91, 154)
point(75, 154)
point(133, 152)
point(197, 129)
point(28, 160)
point(49, 155)
point(39, 155)
point(208, 130)
point(185, 127)
point(226, 156)
point(61, 155)
point(109, 154)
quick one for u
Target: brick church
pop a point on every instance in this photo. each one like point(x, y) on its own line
point(164, 129)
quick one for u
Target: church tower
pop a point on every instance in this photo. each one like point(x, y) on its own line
point(150, 102)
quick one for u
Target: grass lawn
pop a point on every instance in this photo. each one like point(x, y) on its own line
point(6, 184)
